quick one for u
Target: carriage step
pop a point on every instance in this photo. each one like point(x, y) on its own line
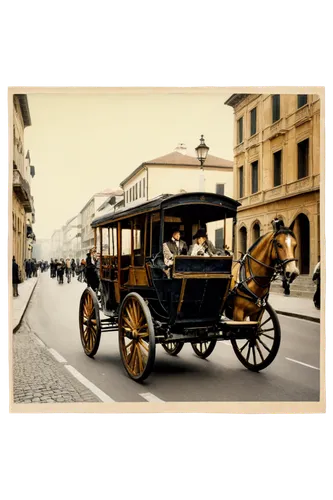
point(245, 324)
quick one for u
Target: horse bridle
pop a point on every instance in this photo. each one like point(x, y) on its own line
point(279, 266)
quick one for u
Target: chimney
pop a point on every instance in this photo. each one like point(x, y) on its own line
point(181, 148)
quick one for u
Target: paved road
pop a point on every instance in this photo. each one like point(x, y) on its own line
point(53, 316)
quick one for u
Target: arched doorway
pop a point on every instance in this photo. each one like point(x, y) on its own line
point(255, 232)
point(301, 228)
point(242, 245)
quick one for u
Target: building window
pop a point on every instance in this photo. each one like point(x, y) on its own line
point(275, 108)
point(254, 166)
point(127, 196)
point(255, 232)
point(136, 191)
point(241, 181)
point(302, 99)
point(253, 121)
point(220, 189)
point(277, 168)
point(144, 187)
point(219, 238)
point(240, 130)
point(130, 194)
point(303, 158)
point(140, 195)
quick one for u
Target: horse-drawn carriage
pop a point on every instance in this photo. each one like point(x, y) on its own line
point(201, 301)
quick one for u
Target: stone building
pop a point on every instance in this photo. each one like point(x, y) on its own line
point(30, 217)
point(277, 169)
point(22, 201)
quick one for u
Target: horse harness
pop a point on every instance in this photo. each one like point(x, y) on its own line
point(242, 286)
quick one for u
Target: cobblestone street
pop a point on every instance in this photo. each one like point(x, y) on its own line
point(39, 378)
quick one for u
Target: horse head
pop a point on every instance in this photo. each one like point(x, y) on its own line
point(283, 253)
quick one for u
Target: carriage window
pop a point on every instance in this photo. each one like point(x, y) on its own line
point(113, 240)
point(98, 240)
point(125, 241)
point(105, 241)
point(138, 240)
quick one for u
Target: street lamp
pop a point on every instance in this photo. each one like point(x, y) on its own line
point(202, 152)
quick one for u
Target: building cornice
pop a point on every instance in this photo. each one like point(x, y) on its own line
point(235, 99)
point(23, 101)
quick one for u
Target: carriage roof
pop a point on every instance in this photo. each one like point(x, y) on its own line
point(214, 206)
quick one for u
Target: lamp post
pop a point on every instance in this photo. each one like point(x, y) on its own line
point(202, 151)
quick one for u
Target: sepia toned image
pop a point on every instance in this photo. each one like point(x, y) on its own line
point(166, 248)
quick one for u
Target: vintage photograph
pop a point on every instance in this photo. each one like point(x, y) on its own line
point(165, 247)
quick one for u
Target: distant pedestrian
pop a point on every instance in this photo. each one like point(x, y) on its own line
point(15, 278)
point(316, 278)
point(73, 267)
point(28, 268)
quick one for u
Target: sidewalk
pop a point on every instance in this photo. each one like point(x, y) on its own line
point(39, 378)
point(297, 307)
point(21, 302)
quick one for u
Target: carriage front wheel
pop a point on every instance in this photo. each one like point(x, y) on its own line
point(89, 321)
point(259, 350)
point(136, 337)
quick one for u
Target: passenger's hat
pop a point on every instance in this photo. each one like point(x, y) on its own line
point(175, 229)
point(200, 233)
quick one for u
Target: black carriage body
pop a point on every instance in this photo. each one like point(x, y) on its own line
point(147, 304)
point(132, 261)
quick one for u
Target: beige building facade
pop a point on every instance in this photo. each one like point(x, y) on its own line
point(179, 172)
point(277, 169)
point(23, 214)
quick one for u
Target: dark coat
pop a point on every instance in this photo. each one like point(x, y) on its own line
point(174, 248)
point(16, 276)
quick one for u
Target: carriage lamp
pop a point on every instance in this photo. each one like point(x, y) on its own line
point(202, 151)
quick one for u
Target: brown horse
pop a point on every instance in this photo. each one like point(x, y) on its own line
point(272, 254)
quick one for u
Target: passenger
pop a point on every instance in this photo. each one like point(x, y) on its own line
point(175, 246)
point(203, 246)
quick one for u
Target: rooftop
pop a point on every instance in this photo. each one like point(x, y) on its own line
point(224, 205)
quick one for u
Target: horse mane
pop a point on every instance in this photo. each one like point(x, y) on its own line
point(283, 230)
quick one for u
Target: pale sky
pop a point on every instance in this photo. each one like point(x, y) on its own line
point(81, 144)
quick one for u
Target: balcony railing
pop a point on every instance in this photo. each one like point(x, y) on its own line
point(22, 191)
point(278, 128)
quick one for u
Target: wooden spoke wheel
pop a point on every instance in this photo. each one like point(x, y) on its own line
point(173, 348)
point(136, 337)
point(258, 351)
point(90, 324)
point(204, 349)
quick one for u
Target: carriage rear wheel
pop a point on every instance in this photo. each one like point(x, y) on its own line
point(258, 351)
point(173, 348)
point(90, 324)
point(136, 337)
point(204, 349)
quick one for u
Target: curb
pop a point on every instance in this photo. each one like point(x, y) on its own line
point(20, 321)
point(299, 316)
